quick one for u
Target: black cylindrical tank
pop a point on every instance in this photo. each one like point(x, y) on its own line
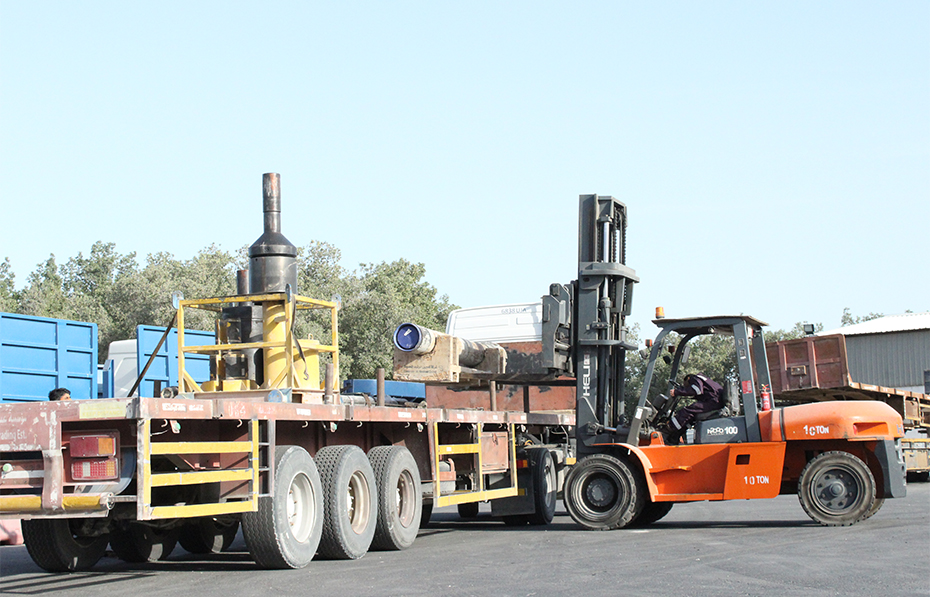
point(272, 258)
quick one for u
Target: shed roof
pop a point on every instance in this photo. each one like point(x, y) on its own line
point(905, 322)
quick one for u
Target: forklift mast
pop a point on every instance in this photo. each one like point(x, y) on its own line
point(584, 331)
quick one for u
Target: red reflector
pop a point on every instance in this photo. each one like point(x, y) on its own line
point(522, 463)
point(94, 469)
point(83, 446)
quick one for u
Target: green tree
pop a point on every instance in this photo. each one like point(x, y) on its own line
point(848, 319)
point(9, 299)
point(390, 294)
point(44, 295)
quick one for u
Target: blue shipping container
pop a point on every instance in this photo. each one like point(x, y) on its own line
point(39, 354)
point(165, 366)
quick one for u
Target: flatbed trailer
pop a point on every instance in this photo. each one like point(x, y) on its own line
point(267, 443)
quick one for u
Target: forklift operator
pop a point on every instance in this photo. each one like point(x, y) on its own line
point(708, 396)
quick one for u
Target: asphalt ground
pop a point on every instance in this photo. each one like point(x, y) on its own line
point(760, 547)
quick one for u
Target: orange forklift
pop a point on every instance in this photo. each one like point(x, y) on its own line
point(842, 459)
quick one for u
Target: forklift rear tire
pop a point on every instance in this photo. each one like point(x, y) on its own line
point(53, 545)
point(286, 529)
point(603, 492)
point(837, 489)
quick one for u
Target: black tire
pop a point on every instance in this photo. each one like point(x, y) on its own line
point(426, 513)
point(139, 543)
point(468, 510)
point(516, 520)
point(603, 492)
point(350, 513)
point(400, 501)
point(285, 531)
point(879, 502)
point(53, 546)
point(837, 489)
point(545, 481)
point(652, 512)
point(208, 535)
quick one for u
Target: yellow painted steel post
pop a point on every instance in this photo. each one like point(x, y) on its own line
point(335, 344)
point(254, 464)
point(436, 482)
point(182, 383)
point(513, 456)
point(479, 459)
point(274, 322)
point(144, 467)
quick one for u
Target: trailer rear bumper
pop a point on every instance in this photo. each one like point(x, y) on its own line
point(27, 506)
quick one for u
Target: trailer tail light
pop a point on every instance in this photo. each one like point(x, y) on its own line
point(86, 446)
point(94, 469)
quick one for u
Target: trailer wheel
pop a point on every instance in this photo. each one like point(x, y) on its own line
point(140, 543)
point(837, 489)
point(545, 485)
point(426, 513)
point(208, 535)
point(400, 502)
point(285, 531)
point(351, 502)
point(603, 492)
point(652, 512)
point(53, 545)
point(468, 510)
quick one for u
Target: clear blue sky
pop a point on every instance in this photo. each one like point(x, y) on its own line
point(774, 156)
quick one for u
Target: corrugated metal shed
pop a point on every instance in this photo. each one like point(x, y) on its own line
point(891, 351)
point(883, 325)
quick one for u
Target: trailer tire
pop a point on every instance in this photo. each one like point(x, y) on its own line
point(53, 546)
point(140, 543)
point(652, 512)
point(468, 510)
point(350, 512)
point(545, 485)
point(400, 502)
point(426, 513)
point(837, 489)
point(285, 531)
point(603, 492)
point(208, 535)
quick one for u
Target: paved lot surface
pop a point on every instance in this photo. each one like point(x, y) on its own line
point(763, 547)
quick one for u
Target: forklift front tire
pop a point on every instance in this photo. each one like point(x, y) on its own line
point(604, 492)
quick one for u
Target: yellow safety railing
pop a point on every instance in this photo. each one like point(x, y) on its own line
point(148, 479)
point(478, 494)
point(293, 303)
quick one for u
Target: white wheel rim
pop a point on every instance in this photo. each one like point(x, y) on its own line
point(359, 502)
point(405, 505)
point(300, 507)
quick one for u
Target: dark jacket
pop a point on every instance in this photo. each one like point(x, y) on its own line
point(702, 388)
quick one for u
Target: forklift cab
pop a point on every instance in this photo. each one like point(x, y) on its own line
point(724, 425)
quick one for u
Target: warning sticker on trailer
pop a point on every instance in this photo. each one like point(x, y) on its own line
point(92, 409)
point(747, 387)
